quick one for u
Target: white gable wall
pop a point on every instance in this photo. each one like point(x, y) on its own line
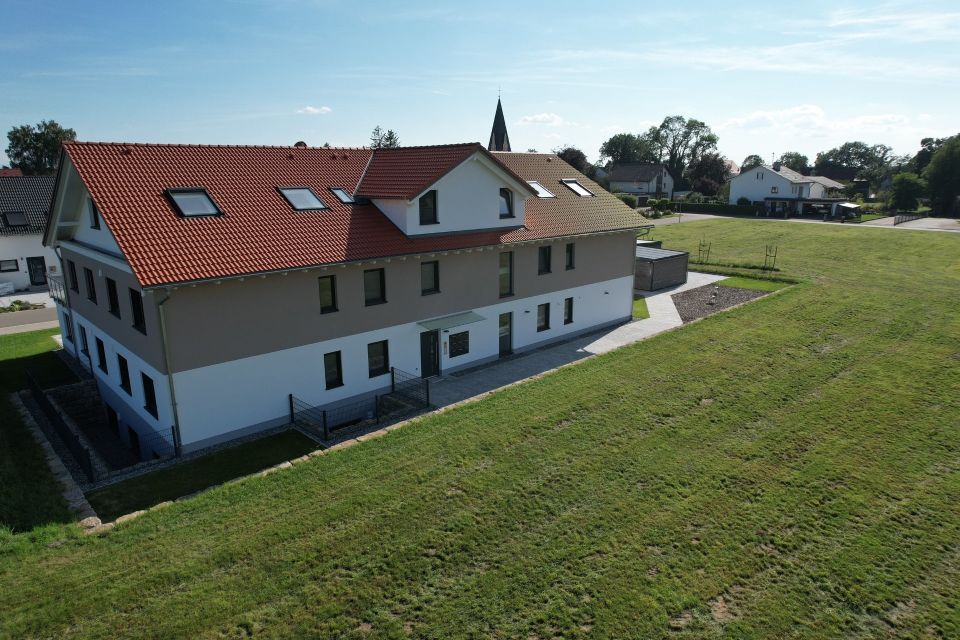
point(758, 183)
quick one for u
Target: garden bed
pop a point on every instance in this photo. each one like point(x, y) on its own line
point(693, 304)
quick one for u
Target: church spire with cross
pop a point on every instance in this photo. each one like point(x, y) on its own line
point(499, 140)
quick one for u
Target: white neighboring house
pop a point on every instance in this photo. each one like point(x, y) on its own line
point(24, 207)
point(642, 179)
point(783, 190)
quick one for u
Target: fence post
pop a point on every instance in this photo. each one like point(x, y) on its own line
point(393, 380)
point(290, 400)
point(326, 432)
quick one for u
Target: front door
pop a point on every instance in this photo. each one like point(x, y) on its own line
point(37, 268)
point(429, 353)
point(506, 334)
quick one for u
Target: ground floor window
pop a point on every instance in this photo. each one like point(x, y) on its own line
point(568, 311)
point(67, 328)
point(459, 344)
point(543, 316)
point(149, 395)
point(378, 358)
point(331, 370)
point(9, 265)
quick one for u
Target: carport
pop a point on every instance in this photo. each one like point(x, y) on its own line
point(659, 268)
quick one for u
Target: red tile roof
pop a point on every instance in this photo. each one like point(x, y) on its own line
point(259, 232)
point(10, 173)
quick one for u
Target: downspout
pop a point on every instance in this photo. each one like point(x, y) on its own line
point(166, 364)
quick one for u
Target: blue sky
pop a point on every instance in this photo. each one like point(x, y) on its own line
point(766, 79)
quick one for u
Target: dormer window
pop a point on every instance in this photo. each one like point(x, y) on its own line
point(342, 195)
point(94, 216)
point(193, 202)
point(302, 198)
point(542, 191)
point(506, 203)
point(15, 218)
point(577, 188)
point(428, 207)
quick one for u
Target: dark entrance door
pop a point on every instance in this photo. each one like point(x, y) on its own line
point(37, 268)
point(429, 353)
point(506, 334)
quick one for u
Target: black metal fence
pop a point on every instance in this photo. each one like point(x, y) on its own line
point(905, 217)
point(70, 439)
point(410, 386)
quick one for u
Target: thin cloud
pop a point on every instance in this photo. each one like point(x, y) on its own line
point(548, 119)
point(314, 111)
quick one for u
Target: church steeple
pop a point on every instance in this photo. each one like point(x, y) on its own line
point(499, 140)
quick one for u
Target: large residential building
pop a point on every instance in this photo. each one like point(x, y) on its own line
point(205, 284)
point(784, 191)
point(24, 204)
point(642, 179)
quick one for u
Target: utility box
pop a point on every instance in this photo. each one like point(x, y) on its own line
point(659, 268)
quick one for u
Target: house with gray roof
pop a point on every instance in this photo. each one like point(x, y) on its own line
point(782, 190)
point(24, 207)
point(642, 179)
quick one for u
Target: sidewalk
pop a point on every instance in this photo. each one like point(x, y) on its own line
point(32, 320)
point(485, 378)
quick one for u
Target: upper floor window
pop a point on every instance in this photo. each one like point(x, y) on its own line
point(149, 395)
point(302, 198)
point(91, 288)
point(94, 216)
point(193, 202)
point(113, 300)
point(72, 276)
point(374, 287)
point(15, 218)
point(577, 188)
point(136, 306)
point(571, 255)
point(429, 277)
point(84, 345)
point(342, 195)
point(101, 356)
point(544, 256)
point(506, 274)
point(506, 203)
point(124, 374)
point(542, 191)
point(328, 294)
point(428, 208)
point(774, 189)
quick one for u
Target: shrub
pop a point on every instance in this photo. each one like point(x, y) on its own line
point(652, 203)
point(743, 202)
point(694, 196)
point(628, 199)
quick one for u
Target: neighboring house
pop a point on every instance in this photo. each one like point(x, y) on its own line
point(24, 205)
point(218, 280)
point(784, 191)
point(653, 180)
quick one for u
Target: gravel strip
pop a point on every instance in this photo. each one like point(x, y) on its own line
point(694, 303)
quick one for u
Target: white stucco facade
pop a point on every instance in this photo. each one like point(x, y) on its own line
point(19, 248)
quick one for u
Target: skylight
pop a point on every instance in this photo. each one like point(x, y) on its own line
point(342, 195)
point(541, 190)
point(302, 198)
point(577, 188)
point(193, 202)
point(15, 218)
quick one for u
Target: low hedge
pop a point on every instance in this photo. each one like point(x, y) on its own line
point(628, 199)
point(709, 207)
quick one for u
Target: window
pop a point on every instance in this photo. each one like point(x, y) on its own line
point(15, 218)
point(459, 344)
point(342, 195)
point(774, 189)
point(543, 259)
point(302, 198)
point(506, 274)
point(67, 328)
point(428, 207)
point(331, 370)
point(101, 355)
point(193, 202)
point(9, 265)
point(136, 306)
point(571, 256)
point(429, 277)
point(94, 216)
point(124, 374)
point(378, 358)
point(72, 276)
point(328, 294)
point(567, 310)
point(91, 289)
point(84, 345)
point(577, 188)
point(149, 395)
point(506, 203)
point(543, 316)
point(541, 190)
point(374, 287)
point(113, 300)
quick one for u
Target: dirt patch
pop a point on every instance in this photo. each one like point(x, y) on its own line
point(681, 621)
point(700, 302)
point(720, 611)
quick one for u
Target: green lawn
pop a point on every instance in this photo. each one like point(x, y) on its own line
point(194, 475)
point(788, 468)
point(640, 308)
point(753, 283)
point(29, 495)
point(867, 217)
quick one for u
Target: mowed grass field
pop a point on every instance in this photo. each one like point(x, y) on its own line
point(787, 469)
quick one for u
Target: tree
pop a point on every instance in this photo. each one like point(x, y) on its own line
point(36, 150)
point(796, 161)
point(907, 188)
point(574, 157)
point(856, 160)
point(380, 139)
point(943, 177)
point(679, 142)
point(707, 173)
point(928, 147)
point(627, 147)
point(751, 161)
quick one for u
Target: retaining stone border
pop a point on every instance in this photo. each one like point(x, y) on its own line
point(102, 528)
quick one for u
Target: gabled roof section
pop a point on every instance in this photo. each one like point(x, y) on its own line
point(30, 195)
point(827, 182)
point(636, 172)
point(499, 140)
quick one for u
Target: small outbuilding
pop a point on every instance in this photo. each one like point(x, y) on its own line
point(659, 268)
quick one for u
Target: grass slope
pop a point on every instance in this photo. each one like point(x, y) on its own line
point(753, 283)
point(29, 495)
point(790, 468)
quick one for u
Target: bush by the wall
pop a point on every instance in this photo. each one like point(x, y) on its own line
point(743, 202)
point(628, 199)
point(652, 203)
point(735, 209)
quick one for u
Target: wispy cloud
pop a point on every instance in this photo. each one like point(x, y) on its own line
point(548, 119)
point(314, 111)
point(812, 121)
point(889, 23)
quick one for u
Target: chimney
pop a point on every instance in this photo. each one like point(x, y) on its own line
point(776, 166)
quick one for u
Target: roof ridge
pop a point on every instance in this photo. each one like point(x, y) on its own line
point(451, 145)
point(94, 143)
